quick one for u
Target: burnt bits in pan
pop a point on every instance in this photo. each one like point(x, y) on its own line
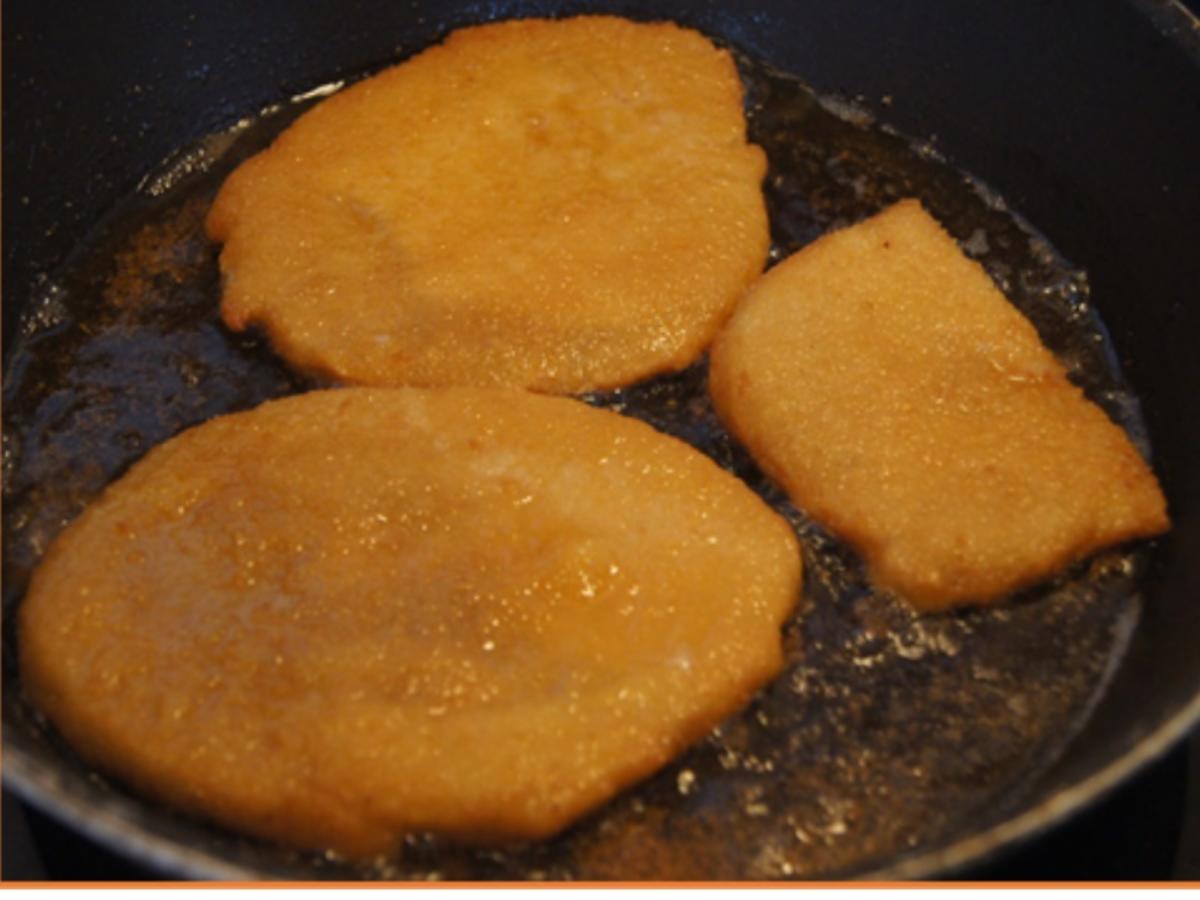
point(886, 732)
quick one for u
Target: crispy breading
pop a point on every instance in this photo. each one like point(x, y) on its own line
point(882, 378)
point(560, 205)
point(356, 613)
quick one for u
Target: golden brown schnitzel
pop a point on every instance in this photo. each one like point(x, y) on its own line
point(357, 613)
point(882, 378)
point(561, 205)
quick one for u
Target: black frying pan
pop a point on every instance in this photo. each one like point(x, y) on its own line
point(1083, 116)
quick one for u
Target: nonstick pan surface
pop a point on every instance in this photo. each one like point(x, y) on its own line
point(891, 744)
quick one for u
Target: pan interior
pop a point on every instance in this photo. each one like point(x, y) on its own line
point(886, 734)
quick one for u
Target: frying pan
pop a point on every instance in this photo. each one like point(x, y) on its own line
point(1083, 115)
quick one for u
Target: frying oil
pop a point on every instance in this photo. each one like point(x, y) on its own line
point(885, 733)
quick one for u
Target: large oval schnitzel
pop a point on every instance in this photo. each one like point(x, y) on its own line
point(357, 613)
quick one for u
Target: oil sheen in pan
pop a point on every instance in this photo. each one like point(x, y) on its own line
point(886, 733)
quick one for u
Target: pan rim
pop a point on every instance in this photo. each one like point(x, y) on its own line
point(1055, 809)
point(112, 826)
